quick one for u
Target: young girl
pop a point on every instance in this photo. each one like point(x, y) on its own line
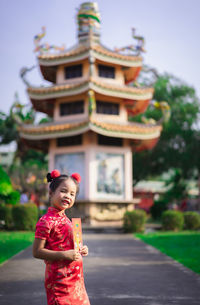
point(64, 280)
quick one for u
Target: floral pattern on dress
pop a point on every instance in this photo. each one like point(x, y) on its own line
point(64, 280)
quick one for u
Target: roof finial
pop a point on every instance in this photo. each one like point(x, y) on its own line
point(88, 19)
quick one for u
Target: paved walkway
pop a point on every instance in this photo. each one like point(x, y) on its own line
point(120, 270)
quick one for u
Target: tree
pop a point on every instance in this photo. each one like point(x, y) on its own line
point(8, 131)
point(178, 146)
point(7, 193)
point(29, 166)
point(176, 187)
point(19, 114)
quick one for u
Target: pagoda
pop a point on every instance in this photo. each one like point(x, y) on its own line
point(90, 100)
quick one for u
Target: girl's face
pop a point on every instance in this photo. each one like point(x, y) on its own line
point(64, 196)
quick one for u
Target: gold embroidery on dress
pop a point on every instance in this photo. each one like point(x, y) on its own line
point(79, 290)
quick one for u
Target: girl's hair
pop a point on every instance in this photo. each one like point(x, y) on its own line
point(55, 182)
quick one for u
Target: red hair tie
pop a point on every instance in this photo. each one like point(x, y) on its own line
point(55, 173)
point(77, 177)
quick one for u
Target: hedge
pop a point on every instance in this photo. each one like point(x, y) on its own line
point(191, 221)
point(134, 221)
point(6, 215)
point(172, 220)
point(25, 216)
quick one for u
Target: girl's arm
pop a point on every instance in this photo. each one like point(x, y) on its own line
point(39, 251)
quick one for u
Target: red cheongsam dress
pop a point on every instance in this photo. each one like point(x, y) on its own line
point(64, 280)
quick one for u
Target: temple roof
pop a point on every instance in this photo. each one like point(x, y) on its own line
point(64, 129)
point(114, 90)
point(142, 136)
point(82, 51)
point(49, 62)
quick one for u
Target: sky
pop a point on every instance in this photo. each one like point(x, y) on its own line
point(171, 29)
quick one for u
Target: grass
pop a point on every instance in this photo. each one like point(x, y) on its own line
point(184, 246)
point(13, 242)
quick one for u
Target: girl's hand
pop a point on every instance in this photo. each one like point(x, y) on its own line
point(84, 251)
point(72, 255)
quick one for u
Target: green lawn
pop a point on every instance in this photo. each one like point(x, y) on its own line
point(184, 246)
point(13, 242)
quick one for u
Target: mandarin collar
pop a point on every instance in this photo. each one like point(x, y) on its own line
point(55, 211)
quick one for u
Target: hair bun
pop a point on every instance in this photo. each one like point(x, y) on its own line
point(77, 177)
point(55, 173)
point(49, 178)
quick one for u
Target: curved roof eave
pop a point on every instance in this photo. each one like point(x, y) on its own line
point(104, 89)
point(81, 52)
point(50, 131)
point(53, 135)
point(118, 134)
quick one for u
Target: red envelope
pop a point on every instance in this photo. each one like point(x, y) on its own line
point(77, 233)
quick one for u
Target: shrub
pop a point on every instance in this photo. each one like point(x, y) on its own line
point(191, 220)
point(13, 198)
point(2, 212)
point(134, 221)
point(6, 215)
point(172, 220)
point(25, 216)
point(158, 208)
point(7, 193)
